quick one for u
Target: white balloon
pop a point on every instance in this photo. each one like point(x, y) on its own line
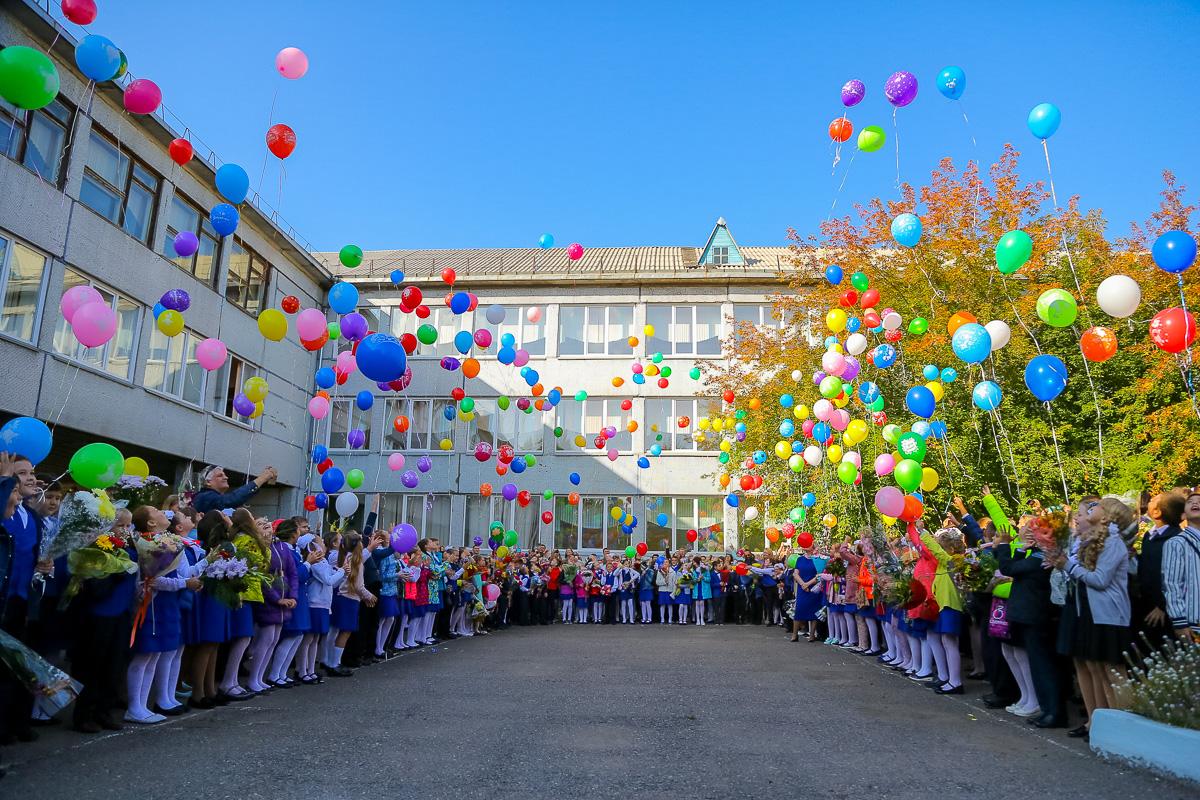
point(346, 504)
point(812, 455)
point(495, 314)
point(892, 321)
point(856, 344)
point(534, 314)
point(1119, 296)
point(853, 457)
point(751, 514)
point(1000, 333)
point(797, 375)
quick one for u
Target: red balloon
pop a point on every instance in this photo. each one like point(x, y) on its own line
point(626, 404)
point(281, 140)
point(691, 535)
point(408, 342)
point(758, 481)
point(341, 377)
point(848, 298)
point(789, 530)
point(324, 465)
point(506, 454)
point(1098, 344)
point(641, 548)
point(81, 12)
point(310, 503)
point(746, 482)
point(840, 129)
point(449, 276)
point(411, 296)
point(663, 383)
point(741, 569)
point(180, 150)
point(523, 497)
point(449, 296)
point(913, 509)
point(501, 469)
point(457, 393)
point(573, 498)
point(1173, 330)
point(422, 312)
point(871, 319)
point(869, 299)
point(290, 304)
point(727, 395)
point(894, 335)
point(547, 517)
point(804, 539)
point(316, 344)
point(474, 302)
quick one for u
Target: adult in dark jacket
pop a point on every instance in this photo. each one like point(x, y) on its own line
point(1150, 608)
point(216, 494)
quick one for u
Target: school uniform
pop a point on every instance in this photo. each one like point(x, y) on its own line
point(388, 568)
point(300, 621)
point(324, 579)
point(102, 614)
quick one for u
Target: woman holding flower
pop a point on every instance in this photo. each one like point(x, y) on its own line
point(279, 589)
point(253, 545)
point(211, 617)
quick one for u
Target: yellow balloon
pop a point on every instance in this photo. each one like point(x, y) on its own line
point(704, 423)
point(841, 400)
point(648, 330)
point(651, 370)
point(170, 322)
point(800, 411)
point(783, 449)
point(835, 453)
point(256, 388)
point(616, 512)
point(835, 320)
point(699, 436)
point(628, 520)
point(446, 444)
point(137, 466)
point(936, 388)
point(857, 430)
point(726, 446)
point(272, 324)
point(718, 423)
point(729, 422)
point(579, 440)
point(258, 410)
point(836, 347)
point(501, 551)
point(829, 520)
point(929, 479)
point(887, 520)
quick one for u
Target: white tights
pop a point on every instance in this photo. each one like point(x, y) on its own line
point(953, 658)
point(626, 611)
point(581, 612)
point(237, 649)
point(281, 662)
point(1018, 662)
point(166, 678)
point(261, 648)
point(139, 678)
point(939, 655)
point(665, 614)
point(308, 655)
point(683, 609)
point(699, 611)
point(647, 612)
point(568, 608)
point(382, 633)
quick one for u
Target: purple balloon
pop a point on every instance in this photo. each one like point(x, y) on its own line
point(409, 479)
point(356, 438)
point(176, 300)
point(818, 376)
point(354, 326)
point(853, 91)
point(186, 244)
point(900, 89)
point(509, 491)
point(450, 363)
point(424, 463)
point(384, 386)
point(403, 538)
point(478, 540)
point(852, 369)
point(243, 405)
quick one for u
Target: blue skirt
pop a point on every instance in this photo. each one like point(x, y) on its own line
point(210, 620)
point(807, 606)
point(866, 612)
point(241, 622)
point(645, 595)
point(318, 619)
point(300, 621)
point(389, 606)
point(949, 621)
point(848, 608)
point(345, 613)
point(187, 624)
point(624, 595)
point(162, 629)
point(664, 599)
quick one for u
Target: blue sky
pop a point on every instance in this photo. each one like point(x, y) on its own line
point(485, 124)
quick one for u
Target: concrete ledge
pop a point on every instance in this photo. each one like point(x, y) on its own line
point(1162, 748)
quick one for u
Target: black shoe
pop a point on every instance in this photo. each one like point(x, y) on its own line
point(310, 681)
point(1047, 721)
point(109, 722)
point(993, 701)
point(44, 723)
point(339, 672)
point(946, 689)
point(219, 700)
point(1079, 733)
point(87, 726)
point(202, 704)
point(170, 712)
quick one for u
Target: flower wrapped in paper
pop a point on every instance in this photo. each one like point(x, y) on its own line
point(84, 517)
point(975, 571)
point(52, 689)
point(158, 554)
point(226, 576)
point(133, 491)
point(1050, 530)
point(103, 557)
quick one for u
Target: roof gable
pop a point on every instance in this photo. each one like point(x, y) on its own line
point(726, 249)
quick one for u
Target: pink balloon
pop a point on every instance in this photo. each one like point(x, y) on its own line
point(521, 359)
point(318, 407)
point(76, 297)
point(396, 462)
point(833, 363)
point(310, 324)
point(534, 314)
point(884, 464)
point(491, 591)
point(142, 97)
point(822, 409)
point(807, 427)
point(636, 368)
point(575, 251)
point(839, 419)
point(94, 324)
point(291, 63)
point(890, 501)
point(483, 337)
point(854, 458)
point(346, 361)
point(612, 454)
point(211, 354)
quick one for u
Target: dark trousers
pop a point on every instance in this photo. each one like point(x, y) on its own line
point(610, 609)
point(770, 600)
point(1043, 664)
point(16, 703)
point(718, 608)
point(99, 658)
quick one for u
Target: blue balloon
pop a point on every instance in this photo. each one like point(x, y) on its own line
point(574, 478)
point(1046, 377)
point(554, 396)
point(332, 480)
point(760, 456)
point(833, 274)
point(508, 340)
point(460, 302)
point(158, 309)
point(224, 219)
point(364, 400)
point(883, 356)
point(518, 465)
point(921, 428)
point(731, 500)
point(397, 276)
point(930, 372)
point(906, 229)
point(448, 413)
point(1044, 120)
point(972, 343)
point(853, 324)
point(381, 358)
point(1174, 251)
point(740, 427)
point(322, 499)
point(532, 377)
point(506, 355)
point(949, 375)
point(787, 428)
point(661, 520)
point(938, 429)
point(626, 529)
point(919, 401)
point(26, 436)
point(821, 431)
point(233, 183)
point(986, 395)
point(320, 453)
point(830, 340)
point(326, 377)
point(952, 82)
point(463, 342)
point(786, 400)
point(656, 449)
point(525, 371)
point(809, 499)
point(660, 561)
point(639, 378)
point(546, 241)
point(868, 392)
point(98, 58)
point(643, 462)
point(343, 297)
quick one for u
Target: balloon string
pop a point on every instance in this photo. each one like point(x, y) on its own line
point(896, 132)
point(66, 398)
point(837, 195)
point(1058, 456)
point(1017, 314)
point(837, 150)
point(1008, 445)
point(270, 121)
point(1063, 234)
point(1185, 361)
point(1087, 370)
point(979, 181)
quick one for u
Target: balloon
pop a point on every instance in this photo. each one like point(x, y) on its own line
point(186, 244)
point(28, 437)
point(1119, 296)
point(95, 323)
point(332, 480)
point(233, 183)
point(751, 514)
point(1172, 329)
point(972, 343)
point(281, 141)
point(1174, 251)
point(884, 464)
point(1012, 251)
point(900, 89)
point(1098, 344)
point(224, 219)
point(97, 58)
point(346, 504)
point(310, 324)
point(835, 320)
point(81, 12)
point(75, 298)
point(1046, 376)
point(1044, 120)
point(395, 462)
point(1057, 308)
point(96, 466)
point(920, 401)
point(318, 407)
point(353, 326)
point(355, 478)
point(906, 229)
point(575, 251)
point(840, 129)
point(871, 138)
point(908, 475)
point(243, 405)
point(211, 353)
point(28, 78)
point(847, 473)
point(930, 372)
point(1000, 333)
point(912, 446)
point(343, 297)
point(856, 343)
point(958, 319)
point(918, 326)
point(272, 324)
point(409, 479)
point(913, 509)
point(181, 152)
point(890, 501)
point(853, 91)
point(403, 538)
point(952, 82)
point(291, 62)
point(986, 395)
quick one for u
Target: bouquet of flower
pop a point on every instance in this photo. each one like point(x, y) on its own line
point(976, 571)
point(105, 556)
point(1050, 530)
point(51, 688)
point(896, 586)
point(83, 517)
point(836, 567)
point(132, 491)
point(158, 554)
point(684, 584)
point(226, 576)
point(606, 590)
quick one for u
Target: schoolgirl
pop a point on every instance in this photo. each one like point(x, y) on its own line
point(346, 600)
point(596, 594)
point(566, 590)
point(702, 593)
point(324, 579)
point(807, 586)
point(388, 607)
point(646, 593)
point(683, 591)
point(580, 585)
point(411, 608)
point(279, 598)
point(252, 545)
point(665, 581)
point(297, 623)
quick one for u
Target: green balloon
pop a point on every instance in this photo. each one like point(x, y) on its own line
point(918, 326)
point(847, 473)
point(860, 281)
point(791, 561)
point(496, 525)
point(871, 138)
point(548, 494)
point(796, 462)
point(630, 551)
point(723, 458)
point(658, 438)
point(891, 433)
point(558, 432)
point(796, 515)
point(426, 334)
point(875, 405)
point(831, 387)
point(694, 373)
point(467, 404)
point(911, 446)
point(121, 70)
point(354, 478)
point(1057, 308)
point(28, 78)
point(908, 474)
point(97, 465)
point(1012, 251)
point(351, 256)
point(510, 538)
point(656, 358)
point(335, 331)
point(530, 460)
point(739, 414)
point(503, 402)
point(665, 372)
point(581, 395)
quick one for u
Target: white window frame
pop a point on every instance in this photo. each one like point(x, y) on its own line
point(246, 370)
point(766, 315)
point(674, 322)
point(719, 255)
point(436, 404)
point(78, 353)
point(609, 524)
point(679, 530)
point(516, 323)
point(534, 418)
point(566, 446)
point(394, 508)
point(186, 336)
point(607, 326)
point(11, 243)
point(682, 407)
point(356, 415)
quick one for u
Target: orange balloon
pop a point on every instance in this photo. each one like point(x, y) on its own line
point(913, 509)
point(724, 481)
point(633, 341)
point(685, 421)
point(400, 423)
point(1098, 344)
point(958, 319)
point(632, 426)
point(323, 393)
point(772, 535)
point(540, 403)
point(618, 381)
point(573, 498)
point(840, 129)
point(755, 404)
point(537, 390)
point(470, 368)
point(485, 489)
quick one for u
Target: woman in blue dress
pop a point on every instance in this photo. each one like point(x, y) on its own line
point(809, 596)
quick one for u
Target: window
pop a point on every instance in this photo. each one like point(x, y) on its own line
point(345, 416)
point(119, 188)
point(529, 336)
point(719, 254)
point(427, 423)
point(443, 320)
point(684, 330)
point(428, 513)
point(22, 270)
point(117, 355)
point(588, 418)
point(701, 514)
point(595, 330)
point(662, 421)
point(589, 525)
point(185, 216)
point(37, 139)
point(762, 314)
point(483, 511)
point(521, 429)
point(226, 382)
point(172, 368)
point(247, 278)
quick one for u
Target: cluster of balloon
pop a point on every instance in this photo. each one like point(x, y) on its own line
point(625, 519)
